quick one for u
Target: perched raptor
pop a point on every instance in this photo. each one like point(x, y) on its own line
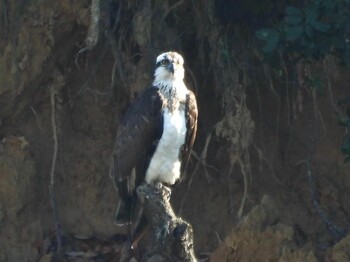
point(155, 136)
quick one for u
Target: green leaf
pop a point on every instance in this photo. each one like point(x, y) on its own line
point(293, 20)
point(338, 42)
point(293, 11)
point(294, 32)
point(271, 45)
point(330, 4)
point(319, 26)
point(294, 16)
point(265, 33)
point(312, 14)
point(271, 38)
point(308, 31)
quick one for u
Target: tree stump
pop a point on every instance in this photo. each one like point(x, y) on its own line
point(173, 235)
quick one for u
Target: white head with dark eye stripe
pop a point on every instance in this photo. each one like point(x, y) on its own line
point(169, 69)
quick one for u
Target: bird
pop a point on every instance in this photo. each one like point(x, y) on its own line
point(155, 136)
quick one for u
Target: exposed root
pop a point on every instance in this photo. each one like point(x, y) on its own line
point(333, 229)
point(330, 91)
point(116, 47)
point(286, 74)
point(94, 31)
point(53, 166)
point(279, 104)
point(237, 159)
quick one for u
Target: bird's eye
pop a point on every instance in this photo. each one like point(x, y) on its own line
point(164, 62)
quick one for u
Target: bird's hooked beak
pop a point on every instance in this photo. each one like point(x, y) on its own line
point(170, 68)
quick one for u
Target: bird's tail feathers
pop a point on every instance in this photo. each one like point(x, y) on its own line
point(122, 215)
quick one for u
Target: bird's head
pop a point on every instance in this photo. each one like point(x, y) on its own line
point(169, 67)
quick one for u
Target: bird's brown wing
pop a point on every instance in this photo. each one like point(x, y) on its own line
point(137, 136)
point(191, 124)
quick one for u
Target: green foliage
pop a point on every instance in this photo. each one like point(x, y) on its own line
point(310, 32)
point(271, 38)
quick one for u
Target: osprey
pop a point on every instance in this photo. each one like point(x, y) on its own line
point(155, 137)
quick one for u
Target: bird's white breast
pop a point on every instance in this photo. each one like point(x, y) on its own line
point(165, 164)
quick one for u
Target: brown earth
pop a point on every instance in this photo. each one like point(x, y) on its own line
point(264, 134)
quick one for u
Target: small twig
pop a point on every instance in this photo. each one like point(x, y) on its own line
point(97, 93)
point(115, 48)
point(218, 237)
point(92, 75)
point(171, 8)
point(284, 66)
point(331, 97)
point(262, 157)
point(199, 163)
point(316, 109)
point(268, 75)
point(204, 164)
point(205, 152)
point(36, 117)
point(53, 166)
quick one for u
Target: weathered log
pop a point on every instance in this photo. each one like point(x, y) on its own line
point(173, 236)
